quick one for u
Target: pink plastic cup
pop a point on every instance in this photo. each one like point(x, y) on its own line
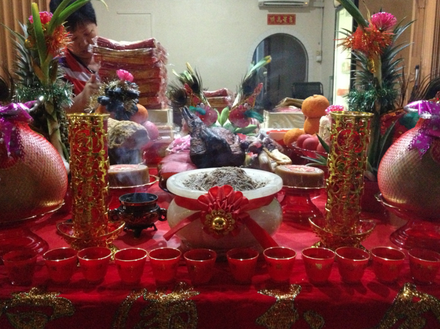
point(200, 264)
point(318, 262)
point(279, 262)
point(164, 262)
point(20, 266)
point(387, 263)
point(61, 263)
point(424, 265)
point(352, 262)
point(130, 263)
point(242, 263)
point(94, 263)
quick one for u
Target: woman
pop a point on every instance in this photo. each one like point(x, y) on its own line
point(79, 66)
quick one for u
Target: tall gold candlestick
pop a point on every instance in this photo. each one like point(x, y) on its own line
point(89, 166)
point(347, 161)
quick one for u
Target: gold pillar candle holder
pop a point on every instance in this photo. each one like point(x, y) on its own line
point(89, 166)
point(347, 162)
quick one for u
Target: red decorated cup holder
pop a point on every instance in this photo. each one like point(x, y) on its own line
point(18, 234)
point(417, 232)
point(297, 205)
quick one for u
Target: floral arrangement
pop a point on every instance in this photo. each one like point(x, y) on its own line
point(120, 96)
point(379, 75)
point(44, 39)
point(239, 118)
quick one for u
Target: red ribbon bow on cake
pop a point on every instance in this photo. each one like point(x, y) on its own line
point(222, 211)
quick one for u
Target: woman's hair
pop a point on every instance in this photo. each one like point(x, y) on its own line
point(84, 15)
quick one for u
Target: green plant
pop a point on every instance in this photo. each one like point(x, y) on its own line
point(43, 40)
point(378, 75)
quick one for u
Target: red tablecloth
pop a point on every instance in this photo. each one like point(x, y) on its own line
point(221, 303)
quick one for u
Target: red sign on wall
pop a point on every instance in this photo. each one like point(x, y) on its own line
point(281, 19)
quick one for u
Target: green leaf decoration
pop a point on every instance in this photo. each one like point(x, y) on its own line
point(224, 115)
point(39, 34)
point(318, 161)
point(324, 144)
point(246, 130)
point(353, 10)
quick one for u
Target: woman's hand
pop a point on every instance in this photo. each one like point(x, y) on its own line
point(82, 100)
point(91, 87)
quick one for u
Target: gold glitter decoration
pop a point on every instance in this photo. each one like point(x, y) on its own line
point(281, 315)
point(347, 161)
point(89, 166)
point(122, 313)
point(331, 240)
point(39, 301)
point(314, 320)
point(164, 311)
point(410, 305)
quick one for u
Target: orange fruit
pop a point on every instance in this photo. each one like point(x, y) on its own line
point(141, 115)
point(292, 135)
point(315, 106)
point(311, 125)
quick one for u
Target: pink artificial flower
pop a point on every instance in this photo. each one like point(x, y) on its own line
point(383, 21)
point(124, 75)
point(45, 17)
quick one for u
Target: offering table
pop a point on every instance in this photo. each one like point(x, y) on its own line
point(221, 303)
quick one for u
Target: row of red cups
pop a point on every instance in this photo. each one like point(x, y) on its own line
point(387, 263)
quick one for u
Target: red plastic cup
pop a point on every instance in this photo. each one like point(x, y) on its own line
point(352, 262)
point(318, 262)
point(387, 263)
point(164, 262)
point(424, 265)
point(94, 263)
point(20, 266)
point(200, 264)
point(61, 263)
point(242, 263)
point(279, 262)
point(130, 263)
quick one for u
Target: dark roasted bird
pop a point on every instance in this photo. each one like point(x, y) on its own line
point(212, 147)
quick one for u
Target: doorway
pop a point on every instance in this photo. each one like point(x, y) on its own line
point(289, 64)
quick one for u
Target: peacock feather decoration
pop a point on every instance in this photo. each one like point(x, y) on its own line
point(238, 118)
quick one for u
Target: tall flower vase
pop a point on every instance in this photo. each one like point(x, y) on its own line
point(89, 166)
point(347, 161)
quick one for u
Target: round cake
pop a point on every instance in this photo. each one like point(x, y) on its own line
point(300, 176)
point(128, 175)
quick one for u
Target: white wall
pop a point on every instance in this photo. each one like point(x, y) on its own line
point(218, 37)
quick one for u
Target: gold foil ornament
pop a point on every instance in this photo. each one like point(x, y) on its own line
point(89, 166)
point(35, 309)
point(162, 310)
point(347, 162)
point(411, 309)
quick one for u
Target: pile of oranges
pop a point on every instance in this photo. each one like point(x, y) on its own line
point(313, 108)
